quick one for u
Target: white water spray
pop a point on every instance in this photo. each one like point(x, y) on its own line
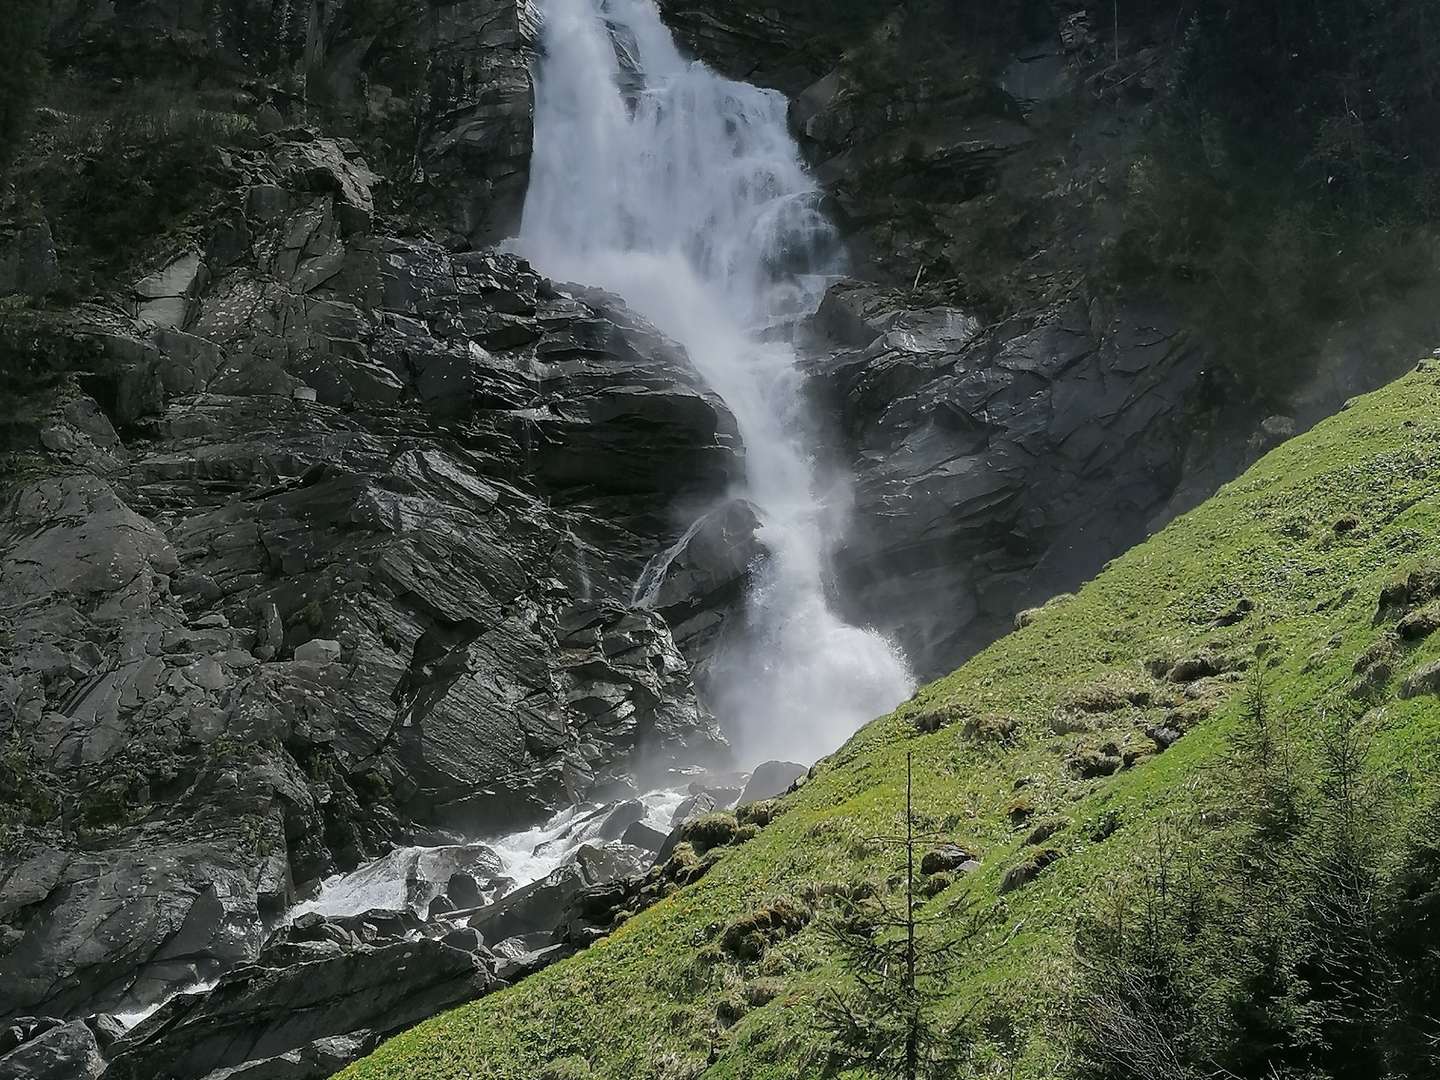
point(682, 191)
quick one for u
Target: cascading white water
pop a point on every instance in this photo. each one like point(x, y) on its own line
point(682, 191)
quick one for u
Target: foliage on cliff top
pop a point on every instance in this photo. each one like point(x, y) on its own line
point(22, 71)
point(1288, 563)
point(1291, 177)
point(116, 174)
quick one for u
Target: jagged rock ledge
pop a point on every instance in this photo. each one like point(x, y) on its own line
point(326, 545)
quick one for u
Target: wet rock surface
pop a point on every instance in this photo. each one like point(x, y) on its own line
point(313, 984)
point(331, 551)
point(993, 465)
point(63, 1052)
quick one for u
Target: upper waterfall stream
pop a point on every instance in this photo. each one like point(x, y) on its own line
point(682, 191)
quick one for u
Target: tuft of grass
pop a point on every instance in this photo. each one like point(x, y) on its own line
point(711, 831)
point(570, 1067)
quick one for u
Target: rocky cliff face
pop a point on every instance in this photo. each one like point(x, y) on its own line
point(995, 465)
point(437, 92)
point(322, 541)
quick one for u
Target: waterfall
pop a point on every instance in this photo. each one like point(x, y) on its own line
point(681, 191)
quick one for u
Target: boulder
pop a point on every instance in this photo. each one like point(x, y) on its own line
point(1425, 679)
point(318, 651)
point(263, 1011)
point(771, 779)
point(693, 807)
point(513, 969)
point(464, 938)
point(601, 863)
point(24, 1028)
point(314, 1061)
point(536, 907)
point(621, 818)
point(65, 1052)
point(945, 858)
point(463, 891)
point(640, 835)
point(322, 165)
point(108, 1029)
point(513, 948)
point(151, 911)
point(164, 298)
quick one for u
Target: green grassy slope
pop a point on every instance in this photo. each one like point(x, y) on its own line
point(1291, 557)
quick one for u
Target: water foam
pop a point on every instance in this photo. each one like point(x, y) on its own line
point(683, 192)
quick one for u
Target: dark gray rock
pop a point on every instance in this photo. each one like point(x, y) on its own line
point(945, 858)
point(66, 1052)
point(1425, 679)
point(643, 836)
point(24, 1028)
point(513, 948)
point(318, 651)
point(603, 863)
point(450, 85)
point(541, 905)
point(536, 907)
point(476, 139)
point(449, 550)
point(463, 891)
point(513, 969)
point(771, 779)
point(314, 1061)
point(701, 580)
point(693, 807)
point(28, 263)
point(379, 926)
point(107, 1029)
point(464, 938)
point(260, 1011)
point(152, 912)
point(994, 470)
point(435, 867)
point(786, 44)
point(620, 819)
point(1040, 73)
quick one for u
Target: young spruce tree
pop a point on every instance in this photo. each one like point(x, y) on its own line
point(898, 958)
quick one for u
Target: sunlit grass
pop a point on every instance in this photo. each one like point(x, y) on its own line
point(642, 1003)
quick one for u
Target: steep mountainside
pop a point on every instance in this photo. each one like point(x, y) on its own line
point(334, 537)
point(1097, 747)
